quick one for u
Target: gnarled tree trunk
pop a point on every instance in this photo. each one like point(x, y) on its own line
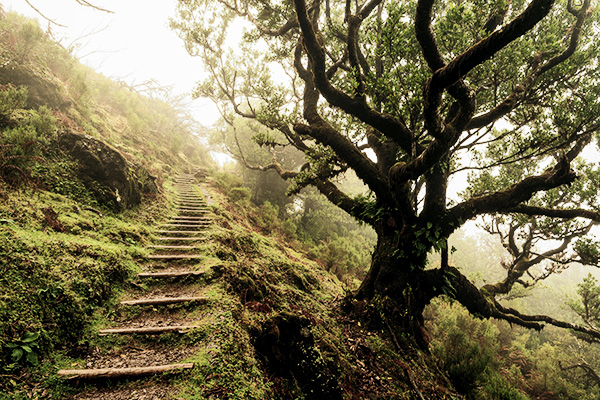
point(398, 278)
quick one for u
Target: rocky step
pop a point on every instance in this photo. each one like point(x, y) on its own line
point(191, 209)
point(186, 224)
point(150, 330)
point(192, 199)
point(174, 257)
point(189, 199)
point(171, 247)
point(162, 301)
point(190, 225)
point(177, 239)
point(189, 217)
point(172, 232)
point(120, 373)
point(193, 212)
point(173, 274)
point(197, 218)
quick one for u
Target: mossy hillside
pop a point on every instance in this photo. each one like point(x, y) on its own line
point(45, 92)
point(263, 287)
point(60, 263)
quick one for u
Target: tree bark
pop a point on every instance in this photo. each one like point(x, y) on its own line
point(398, 278)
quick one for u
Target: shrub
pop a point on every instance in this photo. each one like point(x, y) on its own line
point(238, 194)
point(11, 98)
point(465, 346)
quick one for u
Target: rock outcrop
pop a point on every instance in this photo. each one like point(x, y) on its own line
point(116, 183)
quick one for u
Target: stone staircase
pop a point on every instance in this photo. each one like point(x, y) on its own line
point(170, 274)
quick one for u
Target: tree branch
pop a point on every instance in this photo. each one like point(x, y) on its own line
point(336, 196)
point(509, 198)
point(481, 304)
point(357, 107)
point(537, 69)
point(553, 213)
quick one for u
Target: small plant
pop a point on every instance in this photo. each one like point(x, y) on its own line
point(25, 350)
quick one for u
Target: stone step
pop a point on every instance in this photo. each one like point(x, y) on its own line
point(174, 239)
point(195, 225)
point(195, 199)
point(162, 301)
point(150, 330)
point(174, 257)
point(122, 372)
point(173, 247)
point(188, 223)
point(189, 217)
point(180, 274)
point(169, 232)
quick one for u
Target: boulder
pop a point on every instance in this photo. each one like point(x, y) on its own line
point(40, 91)
point(115, 182)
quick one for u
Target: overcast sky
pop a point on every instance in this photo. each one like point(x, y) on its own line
point(134, 44)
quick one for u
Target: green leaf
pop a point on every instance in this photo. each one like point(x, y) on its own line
point(32, 358)
point(17, 354)
point(26, 348)
point(30, 337)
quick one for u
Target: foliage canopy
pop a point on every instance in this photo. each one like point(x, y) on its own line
point(409, 95)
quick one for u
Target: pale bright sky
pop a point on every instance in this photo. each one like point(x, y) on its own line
point(135, 44)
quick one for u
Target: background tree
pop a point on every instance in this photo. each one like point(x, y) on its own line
point(407, 95)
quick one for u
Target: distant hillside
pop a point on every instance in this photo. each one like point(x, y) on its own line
point(49, 100)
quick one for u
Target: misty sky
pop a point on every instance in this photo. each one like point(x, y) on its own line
point(134, 44)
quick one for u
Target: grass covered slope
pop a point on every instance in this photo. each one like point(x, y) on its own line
point(60, 262)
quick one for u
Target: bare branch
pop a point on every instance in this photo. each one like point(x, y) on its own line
point(554, 213)
point(88, 4)
point(43, 16)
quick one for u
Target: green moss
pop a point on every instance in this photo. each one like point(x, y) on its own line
point(53, 282)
